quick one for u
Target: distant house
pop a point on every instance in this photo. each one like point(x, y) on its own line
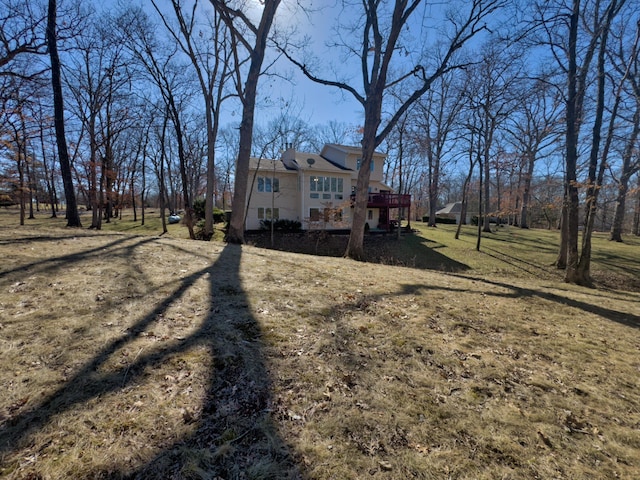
point(451, 210)
point(317, 189)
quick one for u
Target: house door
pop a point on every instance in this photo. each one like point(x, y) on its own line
point(383, 219)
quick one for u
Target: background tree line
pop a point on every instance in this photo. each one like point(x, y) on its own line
point(527, 113)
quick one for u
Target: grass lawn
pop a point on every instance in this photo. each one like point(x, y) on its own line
point(125, 354)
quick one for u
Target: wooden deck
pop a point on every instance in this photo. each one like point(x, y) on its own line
point(387, 200)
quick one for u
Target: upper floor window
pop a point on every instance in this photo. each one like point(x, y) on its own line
point(268, 184)
point(325, 184)
point(359, 162)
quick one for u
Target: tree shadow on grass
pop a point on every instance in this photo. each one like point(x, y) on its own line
point(53, 263)
point(513, 291)
point(235, 435)
point(411, 250)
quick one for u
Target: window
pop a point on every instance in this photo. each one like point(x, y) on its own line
point(314, 195)
point(325, 185)
point(338, 196)
point(265, 213)
point(359, 162)
point(325, 215)
point(370, 215)
point(268, 184)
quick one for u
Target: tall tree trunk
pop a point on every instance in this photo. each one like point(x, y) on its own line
point(73, 218)
point(623, 187)
point(571, 120)
point(480, 186)
point(143, 187)
point(30, 184)
point(465, 201)
point(56, 200)
point(235, 233)
point(526, 192)
point(355, 247)
point(28, 187)
point(163, 186)
point(20, 161)
point(211, 172)
point(486, 224)
point(561, 259)
point(583, 271)
point(48, 180)
point(465, 190)
point(636, 213)
point(628, 169)
point(94, 190)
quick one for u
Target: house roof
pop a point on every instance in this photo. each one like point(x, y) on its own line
point(348, 149)
point(302, 161)
point(450, 208)
point(267, 164)
point(313, 161)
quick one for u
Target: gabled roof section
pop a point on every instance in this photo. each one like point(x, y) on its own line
point(265, 164)
point(450, 209)
point(337, 165)
point(348, 149)
point(313, 161)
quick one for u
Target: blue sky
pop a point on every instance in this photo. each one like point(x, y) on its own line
point(313, 103)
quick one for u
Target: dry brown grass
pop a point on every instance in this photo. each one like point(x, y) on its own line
point(153, 357)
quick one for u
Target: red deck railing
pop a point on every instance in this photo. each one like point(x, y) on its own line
point(389, 200)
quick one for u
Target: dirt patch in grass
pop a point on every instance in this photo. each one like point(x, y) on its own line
point(148, 357)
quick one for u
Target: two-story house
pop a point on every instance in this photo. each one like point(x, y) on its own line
point(316, 189)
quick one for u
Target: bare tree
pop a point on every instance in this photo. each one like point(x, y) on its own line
point(212, 62)
point(490, 94)
point(635, 228)
point(73, 218)
point(533, 129)
point(332, 132)
point(167, 76)
point(439, 112)
point(22, 33)
point(252, 38)
point(95, 77)
point(628, 64)
point(576, 33)
point(380, 31)
point(598, 155)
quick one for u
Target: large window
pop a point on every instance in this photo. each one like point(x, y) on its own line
point(268, 184)
point(325, 185)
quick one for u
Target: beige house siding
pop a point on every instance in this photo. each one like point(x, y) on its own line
point(284, 200)
point(314, 189)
